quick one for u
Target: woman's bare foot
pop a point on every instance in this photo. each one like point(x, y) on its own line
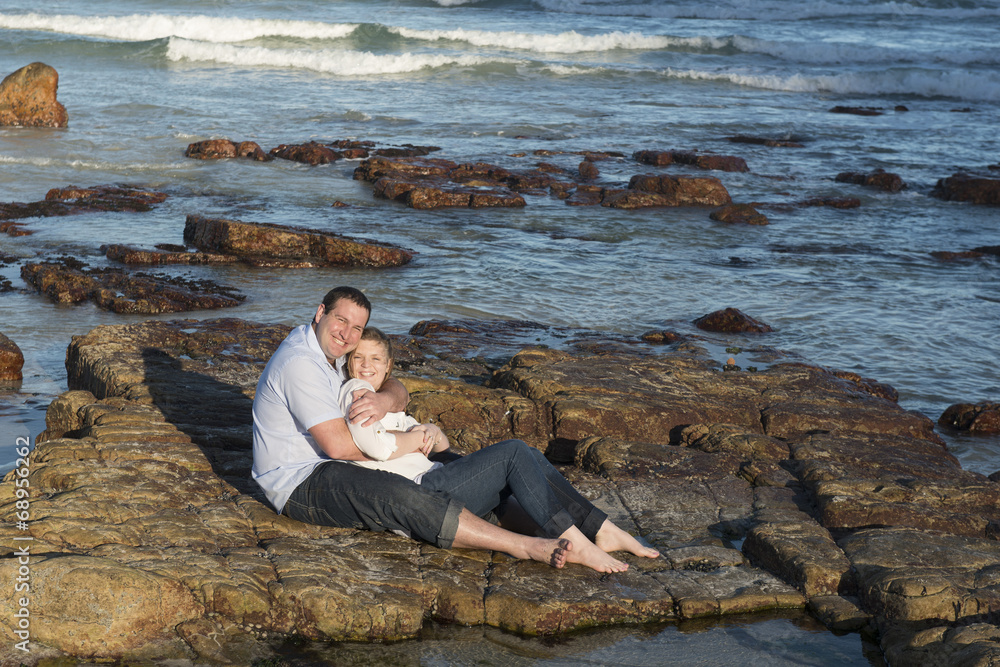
point(553, 552)
point(612, 538)
point(587, 553)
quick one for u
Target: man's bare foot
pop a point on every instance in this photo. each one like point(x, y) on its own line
point(553, 552)
point(612, 538)
point(587, 553)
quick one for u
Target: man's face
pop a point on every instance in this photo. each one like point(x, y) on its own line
point(338, 330)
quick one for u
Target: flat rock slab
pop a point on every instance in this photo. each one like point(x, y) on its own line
point(70, 281)
point(259, 241)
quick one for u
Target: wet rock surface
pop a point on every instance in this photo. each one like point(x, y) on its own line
point(28, 98)
point(11, 361)
point(268, 244)
point(71, 281)
point(879, 179)
point(710, 161)
point(981, 417)
point(731, 320)
point(969, 187)
point(794, 487)
point(739, 214)
point(73, 200)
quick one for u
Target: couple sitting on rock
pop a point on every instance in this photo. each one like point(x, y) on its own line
point(340, 452)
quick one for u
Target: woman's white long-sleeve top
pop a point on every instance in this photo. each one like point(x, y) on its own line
point(377, 440)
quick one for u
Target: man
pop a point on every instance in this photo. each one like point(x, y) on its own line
point(302, 445)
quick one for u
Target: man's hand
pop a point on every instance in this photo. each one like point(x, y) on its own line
point(369, 407)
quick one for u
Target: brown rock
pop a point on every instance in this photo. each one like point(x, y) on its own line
point(833, 202)
point(28, 98)
point(907, 575)
point(974, 188)
point(739, 213)
point(73, 200)
point(121, 292)
point(879, 178)
point(731, 320)
point(312, 153)
point(975, 253)
point(211, 149)
point(682, 190)
point(375, 168)
point(764, 141)
point(655, 158)
point(699, 160)
point(858, 111)
point(981, 417)
point(131, 255)
point(218, 149)
point(11, 360)
point(588, 170)
point(262, 240)
point(661, 337)
point(965, 645)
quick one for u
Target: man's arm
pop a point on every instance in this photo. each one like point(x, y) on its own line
point(335, 439)
point(369, 407)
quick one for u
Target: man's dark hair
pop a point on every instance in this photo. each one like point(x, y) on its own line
point(351, 294)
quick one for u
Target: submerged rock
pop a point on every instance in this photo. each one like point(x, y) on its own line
point(220, 149)
point(975, 253)
point(691, 158)
point(28, 98)
point(731, 320)
point(973, 188)
point(981, 417)
point(69, 281)
point(73, 200)
point(739, 213)
point(766, 141)
point(674, 191)
point(259, 242)
point(879, 178)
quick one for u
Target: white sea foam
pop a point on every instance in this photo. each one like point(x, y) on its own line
point(145, 27)
point(925, 83)
point(339, 62)
point(845, 52)
point(565, 42)
point(768, 10)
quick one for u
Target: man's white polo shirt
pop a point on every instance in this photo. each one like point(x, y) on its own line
point(297, 390)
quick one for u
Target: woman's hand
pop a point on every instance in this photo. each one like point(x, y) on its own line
point(434, 439)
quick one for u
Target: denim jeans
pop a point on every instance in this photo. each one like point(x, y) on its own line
point(349, 496)
point(483, 480)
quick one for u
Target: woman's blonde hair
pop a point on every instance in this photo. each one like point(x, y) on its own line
point(373, 334)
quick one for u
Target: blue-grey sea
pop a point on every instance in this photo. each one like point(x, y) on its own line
point(495, 81)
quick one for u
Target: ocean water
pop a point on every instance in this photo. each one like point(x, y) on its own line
point(496, 81)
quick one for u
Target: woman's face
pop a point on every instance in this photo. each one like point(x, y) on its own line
point(369, 362)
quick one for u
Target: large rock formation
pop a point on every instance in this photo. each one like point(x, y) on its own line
point(28, 98)
point(148, 537)
point(973, 188)
point(262, 243)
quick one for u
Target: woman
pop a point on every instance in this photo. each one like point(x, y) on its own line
point(484, 480)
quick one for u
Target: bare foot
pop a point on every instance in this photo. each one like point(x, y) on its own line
point(612, 538)
point(587, 553)
point(553, 552)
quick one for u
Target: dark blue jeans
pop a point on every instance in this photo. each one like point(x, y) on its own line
point(483, 480)
point(349, 496)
